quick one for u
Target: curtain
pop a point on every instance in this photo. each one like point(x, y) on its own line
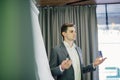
point(43, 69)
point(84, 17)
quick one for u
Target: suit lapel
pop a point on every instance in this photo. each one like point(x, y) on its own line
point(79, 54)
point(64, 50)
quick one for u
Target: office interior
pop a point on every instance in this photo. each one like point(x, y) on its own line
point(23, 48)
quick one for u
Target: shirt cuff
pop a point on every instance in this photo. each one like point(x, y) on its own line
point(60, 68)
point(93, 66)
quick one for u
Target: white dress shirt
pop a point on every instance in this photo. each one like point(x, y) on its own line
point(75, 60)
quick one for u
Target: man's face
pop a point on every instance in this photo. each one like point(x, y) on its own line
point(70, 34)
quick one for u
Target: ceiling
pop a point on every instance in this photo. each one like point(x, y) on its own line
point(74, 2)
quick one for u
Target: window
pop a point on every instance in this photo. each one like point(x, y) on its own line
point(108, 17)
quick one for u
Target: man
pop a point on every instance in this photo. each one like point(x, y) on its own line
point(66, 58)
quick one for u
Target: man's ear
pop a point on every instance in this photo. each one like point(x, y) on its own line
point(63, 33)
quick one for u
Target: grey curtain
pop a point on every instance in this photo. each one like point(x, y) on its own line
point(84, 17)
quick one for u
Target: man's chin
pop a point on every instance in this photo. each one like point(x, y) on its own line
point(74, 39)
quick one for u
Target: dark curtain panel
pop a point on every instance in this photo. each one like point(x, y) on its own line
point(84, 17)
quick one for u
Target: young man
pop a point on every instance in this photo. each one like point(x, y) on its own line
point(66, 58)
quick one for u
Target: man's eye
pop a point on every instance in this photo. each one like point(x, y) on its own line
point(72, 31)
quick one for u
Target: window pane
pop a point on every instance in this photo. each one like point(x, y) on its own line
point(101, 17)
point(113, 11)
point(109, 40)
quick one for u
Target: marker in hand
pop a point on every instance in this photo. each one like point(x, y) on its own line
point(100, 54)
point(67, 58)
point(66, 63)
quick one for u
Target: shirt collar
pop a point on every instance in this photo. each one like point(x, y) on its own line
point(67, 45)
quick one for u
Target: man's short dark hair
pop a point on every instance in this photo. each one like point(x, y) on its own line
point(65, 27)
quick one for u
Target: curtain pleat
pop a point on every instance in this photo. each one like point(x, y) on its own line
point(84, 17)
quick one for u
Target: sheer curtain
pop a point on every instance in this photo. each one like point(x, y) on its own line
point(84, 17)
point(43, 70)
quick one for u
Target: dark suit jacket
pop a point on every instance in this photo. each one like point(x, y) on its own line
point(58, 54)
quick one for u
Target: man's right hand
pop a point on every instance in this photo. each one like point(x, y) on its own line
point(66, 64)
